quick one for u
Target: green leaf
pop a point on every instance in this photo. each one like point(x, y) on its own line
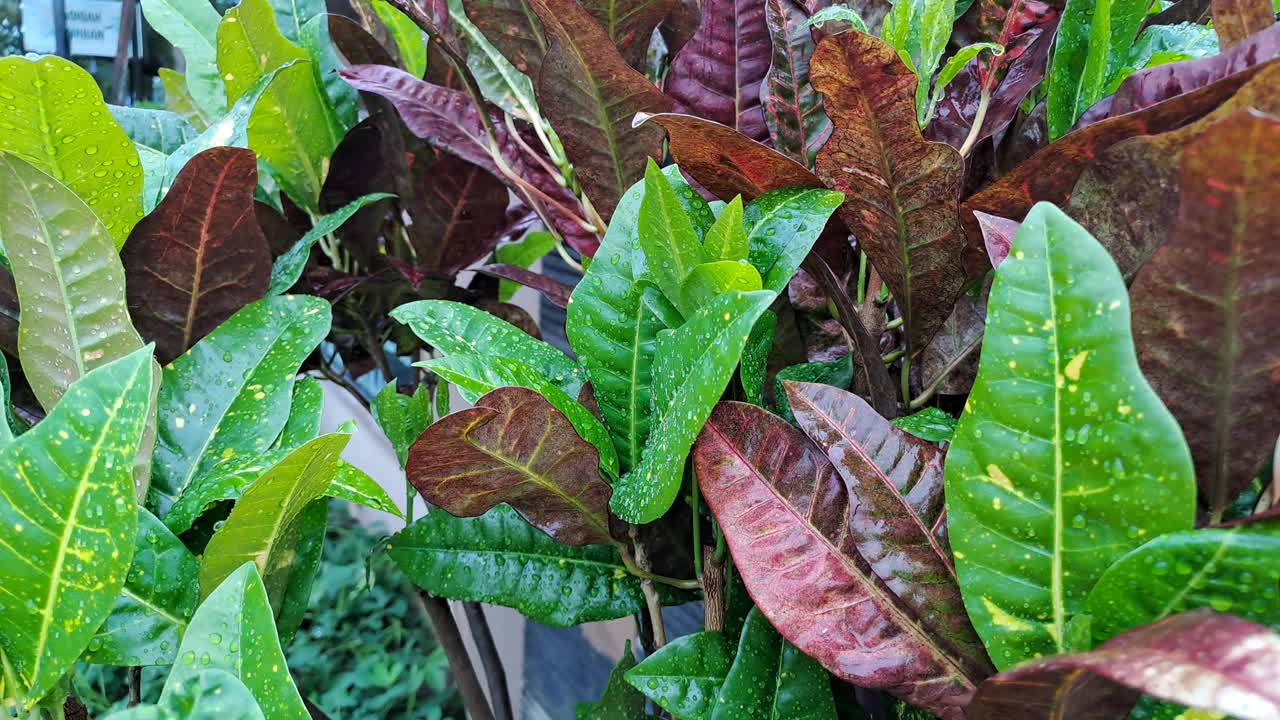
point(325, 65)
point(613, 331)
point(1064, 459)
point(56, 120)
point(192, 27)
point(288, 267)
point(10, 426)
point(684, 676)
point(619, 701)
point(402, 417)
point(709, 280)
point(178, 99)
point(407, 36)
point(931, 423)
point(233, 630)
point(782, 227)
point(69, 279)
point(522, 254)
point(1234, 569)
point(224, 481)
point(474, 376)
point(310, 528)
point(755, 358)
point(953, 67)
point(207, 695)
point(350, 483)
point(499, 81)
point(727, 239)
point(158, 600)
point(1093, 45)
point(229, 395)
point(67, 521)
point(692, 366)
point(159, 130)
point(839, 13)
point(837, 373)
point(305, 412)
point(261, 527)
point(293, 128)
point(500, 559)
point(671, 246)
point(919, 30)
point(1163, 44)
point(454, 329)
point(794, 685)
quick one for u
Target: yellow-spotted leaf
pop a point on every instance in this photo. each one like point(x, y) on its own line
point(67, 522)
point(1064, 459)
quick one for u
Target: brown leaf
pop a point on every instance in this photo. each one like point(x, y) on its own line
point(200, 255)
point(726, 162)
point(1218, 663)
point(1236, 20)
point(785, 512)
point(590, 94)
point(513, 28)
point(513, 447)
point(629, 24)
point(280, 233)
point(1206, 308)
point(952, 357)
point(356, 45)
point(462, 214)
point(901, 191)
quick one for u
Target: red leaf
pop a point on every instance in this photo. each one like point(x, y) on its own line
point(1208, 661)
point(717, 75)
point(513, 447)
point(786, 513)
point(200, 255)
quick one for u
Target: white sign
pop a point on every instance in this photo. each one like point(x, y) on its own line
point(93, 27)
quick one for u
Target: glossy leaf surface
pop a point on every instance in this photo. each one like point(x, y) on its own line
point(514, 447)
point(1204, 306)
point(782, 227)
point(288, 267)
point(785, 512)
point(684, 676)
point(207, 695)
point(69, 520)
point(233, 630)
point(671, 245)
point(192, 27)
point(619, 701)
point(837, 373)
point(514, 28)
point(200, 255)
point(70, 283)
point(157, 601)
point(229, 394)
point(306, 412)
point(929, 424)
point(1092, 46)
point(901, 192)
point(401, 417)
point(160, 130)
point(1218, 663)
point(793, 112)
point(500, 559)
point(1064, 459)
point(692, 366)
point(56, 120)
point(717, 75)
point(772, 680)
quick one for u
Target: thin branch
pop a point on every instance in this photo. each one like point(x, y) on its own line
point(133, 680)
point(984, 102)
point(950, 367)
point(490, 660)
point(651, 599)
point(464, 673)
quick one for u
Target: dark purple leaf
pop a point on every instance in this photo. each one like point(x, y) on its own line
point(513, 447)
point(200, 255)
point(793, 112)
point(1217, 663)
point(718, 73)
point(1236, 20)
point(556, 292)
point(680, 24)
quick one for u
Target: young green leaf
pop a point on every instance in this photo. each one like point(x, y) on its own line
point(306, 410)
point(839, 13)
point(407, 36)
point(192, 27)
point(287, 268)
point(233, 630)
point(684, 676)
point(56, 120)
point(692, 365)
point(157, 601)
point(953, 67)
point(261, 527)
point(309, 527)
point(919, 30)
point(67, 522)
point(500, 559)
point(1093, 44)
point(178, 98)
point(795, 687)
point(710, 280)
point(782, 227)
point(514, 447)
point(455, 329)
point(619, 701)
point(352, 484)
point(930, 424)
point(228, 395)
point(1064, 459)
point(402, 418)
point(521, 254)
point(159, 130)
point(727, 238)
point(671, 246)
point(208, 695)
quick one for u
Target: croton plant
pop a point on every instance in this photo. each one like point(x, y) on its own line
point(931, 344)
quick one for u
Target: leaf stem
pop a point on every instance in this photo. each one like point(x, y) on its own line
point(634, 568)
point(694, 502)
point(862, 278)
point(975, 131)
point(651, 599)
point(906, 379)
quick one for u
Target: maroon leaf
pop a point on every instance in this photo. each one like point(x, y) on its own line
point(1236, 20)
point(726, 162)
point(680, 24)
point(463, 210)
point(786, 514)
point(556, 292)
point(513, 447)
point(793, 112)
point(901, 191)
point(629, 24)
point(896, 480)
point(590, 94)
point(997, 235)
point(361, 165)
point(1025, 28)
point(513, 28)
point(1156, 84)
point(1218, 663)
point(718, 73)
point(200, 255)
point(280, 233)
point(450, 121)
point(1205, 307)
point(1182, 11)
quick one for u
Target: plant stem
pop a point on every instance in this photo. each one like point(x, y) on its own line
point(634, 568)
point(494, 672)
point(928, 393)
point(464, 674)
point(713, 608)
point(906, 379)
point(892, 357)
point(133, 680)
point(862, 278)
point(651, 599)
point(984, 102)
point(695, 501)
